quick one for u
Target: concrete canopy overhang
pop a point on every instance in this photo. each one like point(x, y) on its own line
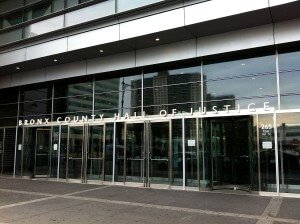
point(182, 32)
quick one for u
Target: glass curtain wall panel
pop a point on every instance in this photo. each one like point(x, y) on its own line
point(193, 159)
point(119, 96)
point(172, 89)
point(8, 107)
point(73, 99)
point(239, 82)
point(35, 103)
point(289, 77)
point(177, 156)
point(288, 129)
point(266, 153)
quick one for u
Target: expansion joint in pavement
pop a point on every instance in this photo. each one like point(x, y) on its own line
point(268, 216)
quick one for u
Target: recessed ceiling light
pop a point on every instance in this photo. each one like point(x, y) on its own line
point(101, 51)
point(243, 64)
point(260, 88)
point(157, 39)
point(17, 68)
point(55, 60)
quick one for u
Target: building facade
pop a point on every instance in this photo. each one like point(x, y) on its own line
point(193, 94)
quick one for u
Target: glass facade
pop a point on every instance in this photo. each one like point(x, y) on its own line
point(23, 19)
point(208, 125)
point(248, 80)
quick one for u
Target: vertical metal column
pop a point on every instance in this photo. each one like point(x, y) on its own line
point(16, 140)
point(93, 106)
point(58, 153)
point(103, 153)
point(202, 89)
point(170, 159)
point(114, 154)
point(68, 148)
point(3, 149)
point(198, 154)
point(148, 137)
point(183, 154)
point(277, 79)
point(142, 100)
point(258, 153)
point(124, 152)
point(276, 153)
point(22, 150)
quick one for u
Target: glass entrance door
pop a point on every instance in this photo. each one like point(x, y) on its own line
point(75, 152)
point(135, 152)
point(94, 154)
point(231, 153)
point(147, 158)
point(159, 153)
point(85, 153)
point(42, 152)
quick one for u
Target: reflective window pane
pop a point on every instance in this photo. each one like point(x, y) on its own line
point(231, 83)
point(27, 2)
point(172, 89)
point(124, 5)
point(191, 154)
point(177, 152)
point(289, 78)
point(71, 3)
point(267, 153)
point(123, 94)
point(58, 5)
point(289, 151)
point(36, 94)
point(44, 26)
point(12, 19)
point(39, 10)
point(8, 5)
point(11, 36)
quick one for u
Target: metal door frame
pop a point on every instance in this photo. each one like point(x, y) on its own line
point(144, 172)
point(35, 149)
point(86, 143)
point(170, 153)
point(84, 151)
point(82, 154)
point(147, 151)
point(233, 186)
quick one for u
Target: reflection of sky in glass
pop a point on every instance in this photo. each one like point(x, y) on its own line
point(251, 78)
point(289, 81)
point(240, 67)
point(290, 102)
point(241, 87)
point(289, 61)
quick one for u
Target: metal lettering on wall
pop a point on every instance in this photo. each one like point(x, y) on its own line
point(163, 113)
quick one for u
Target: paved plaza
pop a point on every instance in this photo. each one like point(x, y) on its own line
point(32, 201)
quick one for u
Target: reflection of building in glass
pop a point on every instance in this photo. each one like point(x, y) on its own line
point(219, 101)
point(176, 91)
point(105, 100)
point(82, 100)
point(35, 103)
point(290, 138)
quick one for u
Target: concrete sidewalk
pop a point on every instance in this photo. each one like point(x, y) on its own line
point(27, 201)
